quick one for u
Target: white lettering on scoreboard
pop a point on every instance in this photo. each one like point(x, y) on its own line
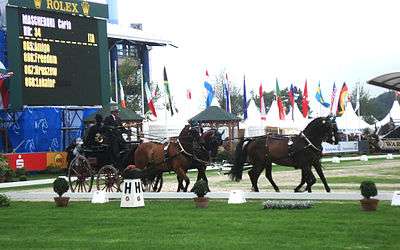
point(132, 193)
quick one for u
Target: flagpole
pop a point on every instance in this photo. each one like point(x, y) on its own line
point(142, 87)
point(116, 81)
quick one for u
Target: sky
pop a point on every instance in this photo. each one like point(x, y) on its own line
point(326, 41)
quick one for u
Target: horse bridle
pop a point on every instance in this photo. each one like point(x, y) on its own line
point(193, 156)
point(310, 144)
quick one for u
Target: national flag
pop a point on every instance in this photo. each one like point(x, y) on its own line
point(291, 95)
point(333, 96)
point(304, 102)
point(5, 94)
point(343, 97)
point(166, 86)
point(320, 99)
point(227, 95)
point(150, 101)
point(210, 91)
point(357, 97)
point(279, 101)
point(244, 98)
point(122, 96)
point(262, 103)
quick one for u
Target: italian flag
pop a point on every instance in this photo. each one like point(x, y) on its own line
point(150, 99)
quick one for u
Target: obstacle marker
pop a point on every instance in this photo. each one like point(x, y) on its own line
point(396, 198)
point(335, 160)
point(363, 158)
point(389, 157)
point(99, 197)
point(132, 194)
point(236, 197)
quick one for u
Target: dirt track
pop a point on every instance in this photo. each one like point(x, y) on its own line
point(382, 171)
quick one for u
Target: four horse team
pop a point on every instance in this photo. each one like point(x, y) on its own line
point(193, 149)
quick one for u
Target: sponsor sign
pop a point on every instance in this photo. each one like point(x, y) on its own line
point(57, 159)
point(390, 144)
point(342, 147)
point(29, 161)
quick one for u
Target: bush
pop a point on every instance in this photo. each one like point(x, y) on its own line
point(6, 172)
point(53, 169)
point(200, 188)
point(368, 189)
point(282, 204)
point(23, 178)
point(4, 200)
point(20, 172)
point(60, 186)
point(223, 155)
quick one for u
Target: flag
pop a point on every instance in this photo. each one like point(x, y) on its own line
point(4, 92)
point(357, 97)
point(291, 95)
point(305, 101)
point(210, 91)
point(189, 94)
point(227, 95)
point(320, 99)
point(244, 98)
point(166, 86)
point(122, 95)
point(150, 97)
point(343, 97)
point(333, 96)
point(262, 104)
point(279, 101)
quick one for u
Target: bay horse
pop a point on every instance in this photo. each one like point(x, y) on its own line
point(300, 151)
point(211, 140)
point(155, 158)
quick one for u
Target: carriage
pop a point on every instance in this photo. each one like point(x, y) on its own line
point(102, 166)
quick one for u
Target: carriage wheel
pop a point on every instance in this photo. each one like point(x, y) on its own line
point(108, 179)
point(154, 185)
point(80, 168)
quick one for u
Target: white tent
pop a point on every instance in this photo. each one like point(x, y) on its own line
point(350, 122)
point(296, 121)
point(165, 126)
point(393, 114)
point(253, 125)
point(272, 117)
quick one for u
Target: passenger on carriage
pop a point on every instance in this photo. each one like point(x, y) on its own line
point(113, 120)
point(95, 133)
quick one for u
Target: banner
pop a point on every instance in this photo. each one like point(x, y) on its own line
point(342, 147)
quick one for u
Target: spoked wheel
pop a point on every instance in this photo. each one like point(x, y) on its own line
point(108, 179)
point(154, 185)
point(80, 168)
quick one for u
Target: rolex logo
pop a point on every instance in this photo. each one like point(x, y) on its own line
point(38, 4)
point(85, 7)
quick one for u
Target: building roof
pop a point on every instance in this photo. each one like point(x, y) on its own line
point(126, 33)
point(214, 114)
point(389, 81)
point(126, 115)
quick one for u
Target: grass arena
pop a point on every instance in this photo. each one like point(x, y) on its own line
point(175, 223)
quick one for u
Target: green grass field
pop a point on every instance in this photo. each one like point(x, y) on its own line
point(179, 225)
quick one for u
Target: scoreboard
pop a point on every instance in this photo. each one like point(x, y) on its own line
point(61, 58)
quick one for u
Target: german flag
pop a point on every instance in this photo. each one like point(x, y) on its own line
point(343, 97)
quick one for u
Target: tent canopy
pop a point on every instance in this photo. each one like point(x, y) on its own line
point(389, 81)
point(350, 122)
point(126, 115)
point(214, 114)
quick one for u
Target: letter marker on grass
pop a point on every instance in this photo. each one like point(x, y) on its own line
point(132, 194)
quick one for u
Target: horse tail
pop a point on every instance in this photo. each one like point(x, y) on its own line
point(240, 158)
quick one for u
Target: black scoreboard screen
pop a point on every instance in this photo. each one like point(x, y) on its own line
point(60, 58)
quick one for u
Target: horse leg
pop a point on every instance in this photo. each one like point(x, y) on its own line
point(182, 174)
point(310, 178)
point(268, 174)
point(254, 174)
point(321, 175)
point(303, 180)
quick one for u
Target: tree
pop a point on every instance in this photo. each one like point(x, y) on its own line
point(235, 95)
point(130, 77)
